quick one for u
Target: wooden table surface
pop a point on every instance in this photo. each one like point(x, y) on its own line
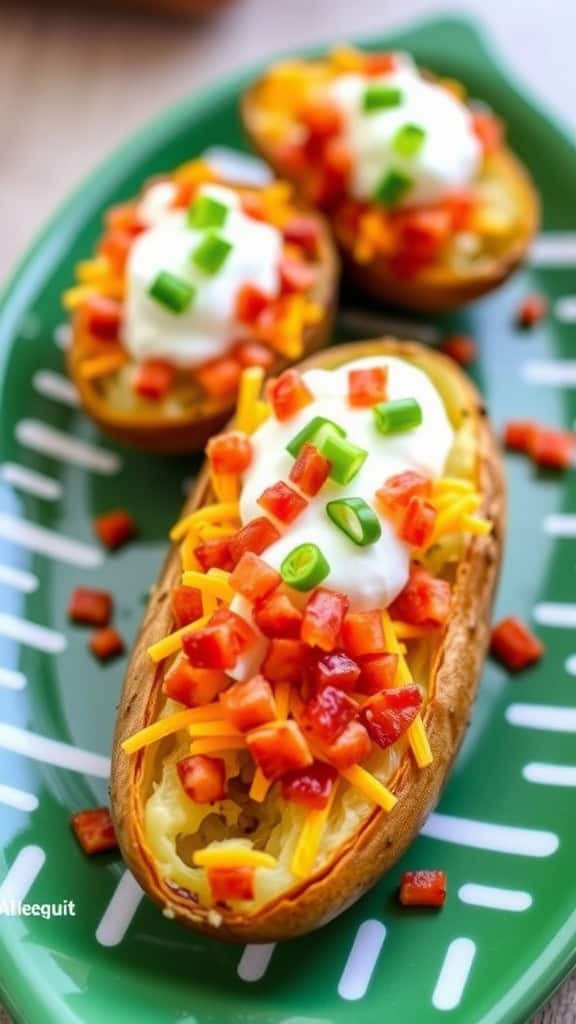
point(76, 80)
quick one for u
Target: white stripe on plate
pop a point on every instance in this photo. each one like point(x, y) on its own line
point(18, 798)
point(12, 680)
point(31, 482)
point(59, 445)
point(555, 613)
point(47, 542)
point(550, 774)
point(254, 961)
point(31, 634)
point(237, 166)
point(570, 665)
point(20, 878)
point(557, 373)
point(55, 386)
point(484, 835)
point(27, 582)
point(63, 755)
point(565, 309)
point(362, 960)
point(560, 525)
point(119, 913)
point(454, 974)
point(63, 335)
point(542, 716)
point(554, 249)
point(493, 898)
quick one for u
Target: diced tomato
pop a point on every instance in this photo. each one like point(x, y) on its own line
point(379, 63)
point(296, 276)
point(278, 748)
point(352, 746)
point(362, 633)
point(221, 377)
point(390, 713)
point(249, 704)
point(422, 889)
point(94, 830)
point(532, 310)
point(338, 160)
point(460, 205)
point(282, 502)
point(552, 449)
point(514, 644)
point(231, 884)
point(103, 317)
point(153, 379)
point(288, 394)
point(421, 235)
point(185, 193)
point(425, 601)
point(202, 778)
point(284, 661)
point(518, 435)
point(417, 524)
point(253, 578)
point(378, 673)
point(323, 618)
point(250, 303)
point(335, 669)
point(304, 232)
point(186, 605)
point(90, 607)
point(106, 643)
point(321, 117)
point(115, 245)
point(326, 714)
point(192, 686)
point(367, 387)
point(310, 470)
point(253, 353)
point(488, 130)
point(397, 491)
point(276, 616)
point(220, 642)
point(461, 348)
point(310, 786)
point(124, 217)
point(230, 452)
point(114, 529)
point(256, 536)
point(214, 554)
point(252, 205)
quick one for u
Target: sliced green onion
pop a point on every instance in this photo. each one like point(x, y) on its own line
point(396, 417)
point(346, 458)
point(392, 188)
point(305, 567)
point(381, 97)
point(356, 519)
point(171, 291)
point(206, 212)
point(211, 253)
point(409, 140)
point(315, 432)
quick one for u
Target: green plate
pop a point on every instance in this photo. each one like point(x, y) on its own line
point(504, 830)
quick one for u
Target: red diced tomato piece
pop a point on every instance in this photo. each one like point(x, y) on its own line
point(296, 276)
point(153, 379)
point(90, 607)
point(362, 633)
point(518, 435)
point(284, 661)
point(367, 387)
point(288, 394)
point(425, 601)
point(397, 491)
point(323, 618)
point(276, 616)
point(310, 470)
point(335, 669)
point(352, 746)
point(114, 529)
point(460, 205)
point(552, 449)
point(231, 884)
point(421, 234)
point(378, 673)
point(220, 642)
point(249, 704)
point(253, 578)
point(532, 310)
point(338, 159)
point(94, 830)
point(214, 554)
point(379, 63)
point(461, 348)
point(106, 643)
point(124, 217)
point(327, 714)
point(103, 317)
point(230, 452)
point(256, 536)
point(253, 205)
point(202, 778)
point(488, 130)
point(186, 605)
point(321, 117)
point(192, 686)
point(250, 303)
point(282, 502)
point(310, 786)
point(422, 889)
point(221, 377)
point(304, 232)
point(115, 245)
point(253, 353)
point(278, 748)
point(514, 644)
point(390, 713)
point(418, 520)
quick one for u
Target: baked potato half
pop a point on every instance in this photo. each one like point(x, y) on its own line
point(315, 839)
point(192, 282)
point(441, 227)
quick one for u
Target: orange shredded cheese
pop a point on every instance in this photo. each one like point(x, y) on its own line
point(370, 786)
point(209, 583)
point(453, 484)
point(310, 838)
point(218, 513)
point(99, 366)
point(163, 727)
point(416, 733)
point(233, 857)
point(173, 642)
point(407, 631)
point(217, 744)
point(189, 560)
point(248, 395)
point(220, 728)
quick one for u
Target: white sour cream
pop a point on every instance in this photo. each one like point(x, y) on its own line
point(208, 327)
point(449, 157)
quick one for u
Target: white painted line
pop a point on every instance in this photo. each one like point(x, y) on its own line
point(63, 336)
point(46, 542)
point(556, 613)
point(27, 582)
point(560, 373)
point(483, 835)
point(254, 961)
point(542, 716)
point(63, 755)
point(21, 876)
point(234, 165)
point(550, 774)
point(554, 249)
point(493, 898)
point(565, 309)
point(31, 482)
point(570, 665)
point(560, 525)
point(119, 913)
point(59, 445)
point(55, 386)
point(31, 634)
point(18, 798)
point(362, 960)
point(12, 680)
point(454, 974)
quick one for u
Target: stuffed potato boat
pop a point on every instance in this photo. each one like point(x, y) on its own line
point(193, 281)
point(429, 207)
point(306, 668)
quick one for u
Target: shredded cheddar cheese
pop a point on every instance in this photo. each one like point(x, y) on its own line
point(309, 840)
point(165, 727)
point(219, 728)
point(370, 786)
point(173, 642)
point(454, 484)
point(407, 631)
point(248, 395)
point(100, 366)
point(226, 486)
point(233, 857)
point(208, 583)
point(221, 512)
point(217, 744)
point(416, 733)
point(189, 560)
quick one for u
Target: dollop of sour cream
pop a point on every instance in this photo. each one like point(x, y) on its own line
point(208, 327)
point(449, 156)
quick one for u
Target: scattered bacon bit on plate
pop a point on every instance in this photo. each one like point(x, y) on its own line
point(531, 310)
point(90, 607)
point(106, 643)
point(423, 889)
point(461, 348)
point(514, 645)
point(94, 830)
point(548, 447)
point(115, 528)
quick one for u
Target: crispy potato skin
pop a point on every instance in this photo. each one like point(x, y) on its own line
point(155, 432)
point(382, 839)
point(438, 289)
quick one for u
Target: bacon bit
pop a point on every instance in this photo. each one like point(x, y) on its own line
point(276, 617)
point(397, 491)
point(422, 889)
point(425, 600)
point(221, 377)
point(193, 687)
point(231, 883)
point(321, 117)
point(282, 502)
point(186, 605)
point(378, 673)
point(367, 387)
point(230, 452)
point(310, 470)
point(362, 633)
point(278, 748)
point(288, 394)
point(418, 520)
point(124, 217)
point(106, 643)
point(323, 618)
point(250, 304)
point(249, 704)
point(325, 716)
point(115, 528)
point(255, 536)
point(284, 661)
point(304, 232)
point(310, 786)
point(296, 276)
point(379, 63)
point(202, 778)
point(253, 353)
point(513, 644)
point(153, 379)
point(254, 578)
point(390, 713)
point(215, 554)
point(518, 435)
point(488, 129)
point(220, 642)
point(103, 317)
point(352, 746)
point(90, 607)
point(115, 245)
point(335, 669)
point(531, 310)
point(461, 348)
point(94, 830)
point(552, 449)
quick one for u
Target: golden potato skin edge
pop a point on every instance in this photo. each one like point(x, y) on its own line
point(191, 431)
point(383, 838)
